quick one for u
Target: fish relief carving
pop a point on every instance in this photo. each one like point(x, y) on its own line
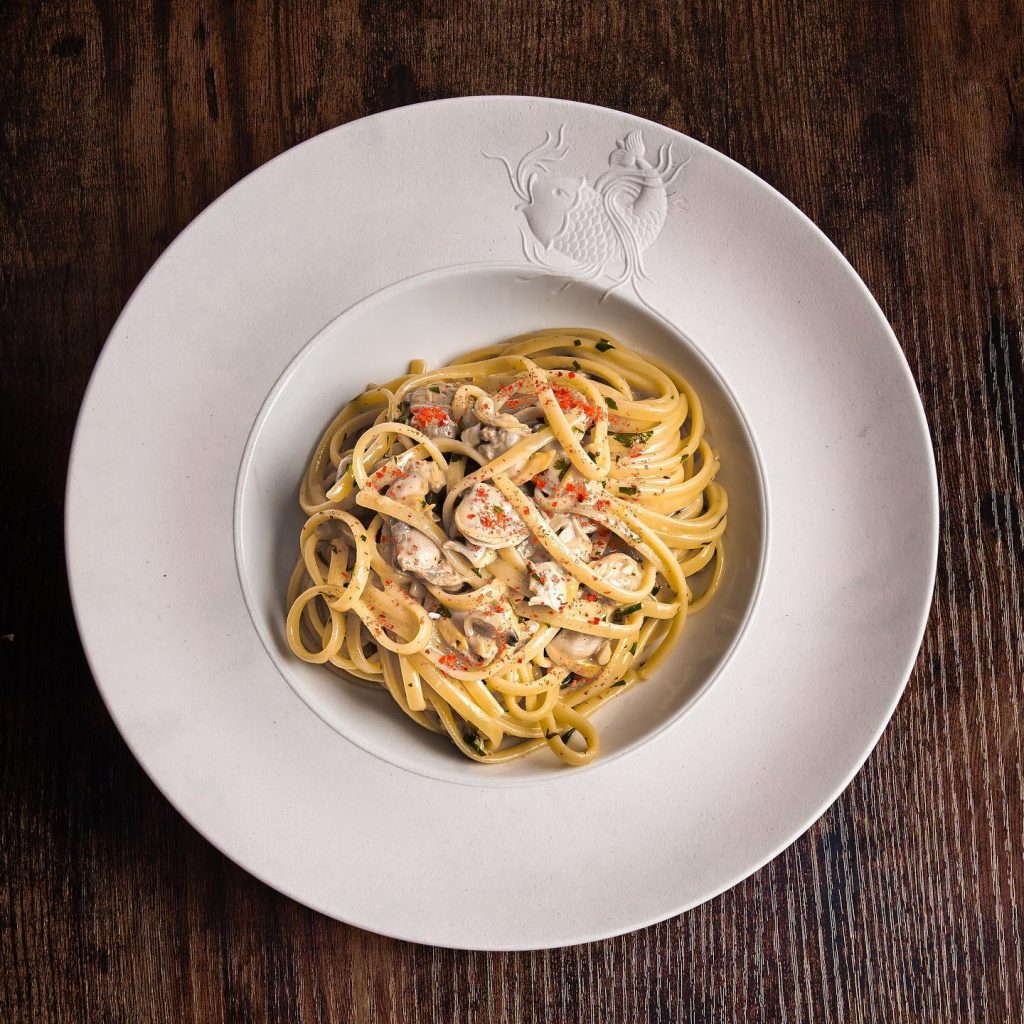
point(593, 231)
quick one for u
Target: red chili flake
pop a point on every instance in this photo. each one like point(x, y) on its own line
point(594, 621)
point(429, 415)
point(515, 385)
point(572, 376)
point(470, 515)
point(448, 660)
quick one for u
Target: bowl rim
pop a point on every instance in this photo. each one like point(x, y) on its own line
point(241, 849)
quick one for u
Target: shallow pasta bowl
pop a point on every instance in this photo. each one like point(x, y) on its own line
point(424, 232)
point(441, 315)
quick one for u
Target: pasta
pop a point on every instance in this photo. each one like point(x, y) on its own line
point(506, 544)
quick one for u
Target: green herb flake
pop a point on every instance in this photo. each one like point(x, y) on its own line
point(611, 403)
point(472, 740)
point(435, 389)
point(629, 490)
point(477, 571)
point(632, 649)
point(604, 345)
point(593, 457)
point(498, 510)
point(563, 466)
point(621, 682)
point(576, 365)
point(577, 342)
point(567, 735)
point(628, 440)
point(444, 611)
point(362, 536)
point(655, 591)
point(621, 613)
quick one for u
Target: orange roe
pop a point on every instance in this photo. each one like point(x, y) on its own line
point(429, 415)
point(569, 400)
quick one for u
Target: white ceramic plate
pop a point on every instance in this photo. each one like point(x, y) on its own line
point(396, 236)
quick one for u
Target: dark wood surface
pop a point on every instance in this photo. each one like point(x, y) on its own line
point(898, 127)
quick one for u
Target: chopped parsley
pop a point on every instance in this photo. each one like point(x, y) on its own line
point(563, 466)
point(655, 591)
point(472, 739)
point(629, 490)
point(628, 440)
point(632, 649)
point(577, 342)
point(611, 403)
point(621, 682)
point(593, 457)
point(435, 389)
point(498, 510)
point(444, 612)
point(603, 345)
point(620, 613)
point(576, 365)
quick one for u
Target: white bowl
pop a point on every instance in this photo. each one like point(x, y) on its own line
point(437, 317)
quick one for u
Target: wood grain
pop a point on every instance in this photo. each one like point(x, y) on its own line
point(899, 128)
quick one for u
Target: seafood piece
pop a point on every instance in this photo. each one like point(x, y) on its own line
point(549, 585)
point(486, 516)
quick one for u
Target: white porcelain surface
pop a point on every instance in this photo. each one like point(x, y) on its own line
point(733, 266)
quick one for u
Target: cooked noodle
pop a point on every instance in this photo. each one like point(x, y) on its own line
point(504, 543)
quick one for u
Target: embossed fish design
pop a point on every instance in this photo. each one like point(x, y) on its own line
point(602, 228)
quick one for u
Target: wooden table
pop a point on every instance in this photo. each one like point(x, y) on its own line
point(898, 127)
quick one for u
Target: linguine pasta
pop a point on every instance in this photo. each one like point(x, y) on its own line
point(504, 544)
